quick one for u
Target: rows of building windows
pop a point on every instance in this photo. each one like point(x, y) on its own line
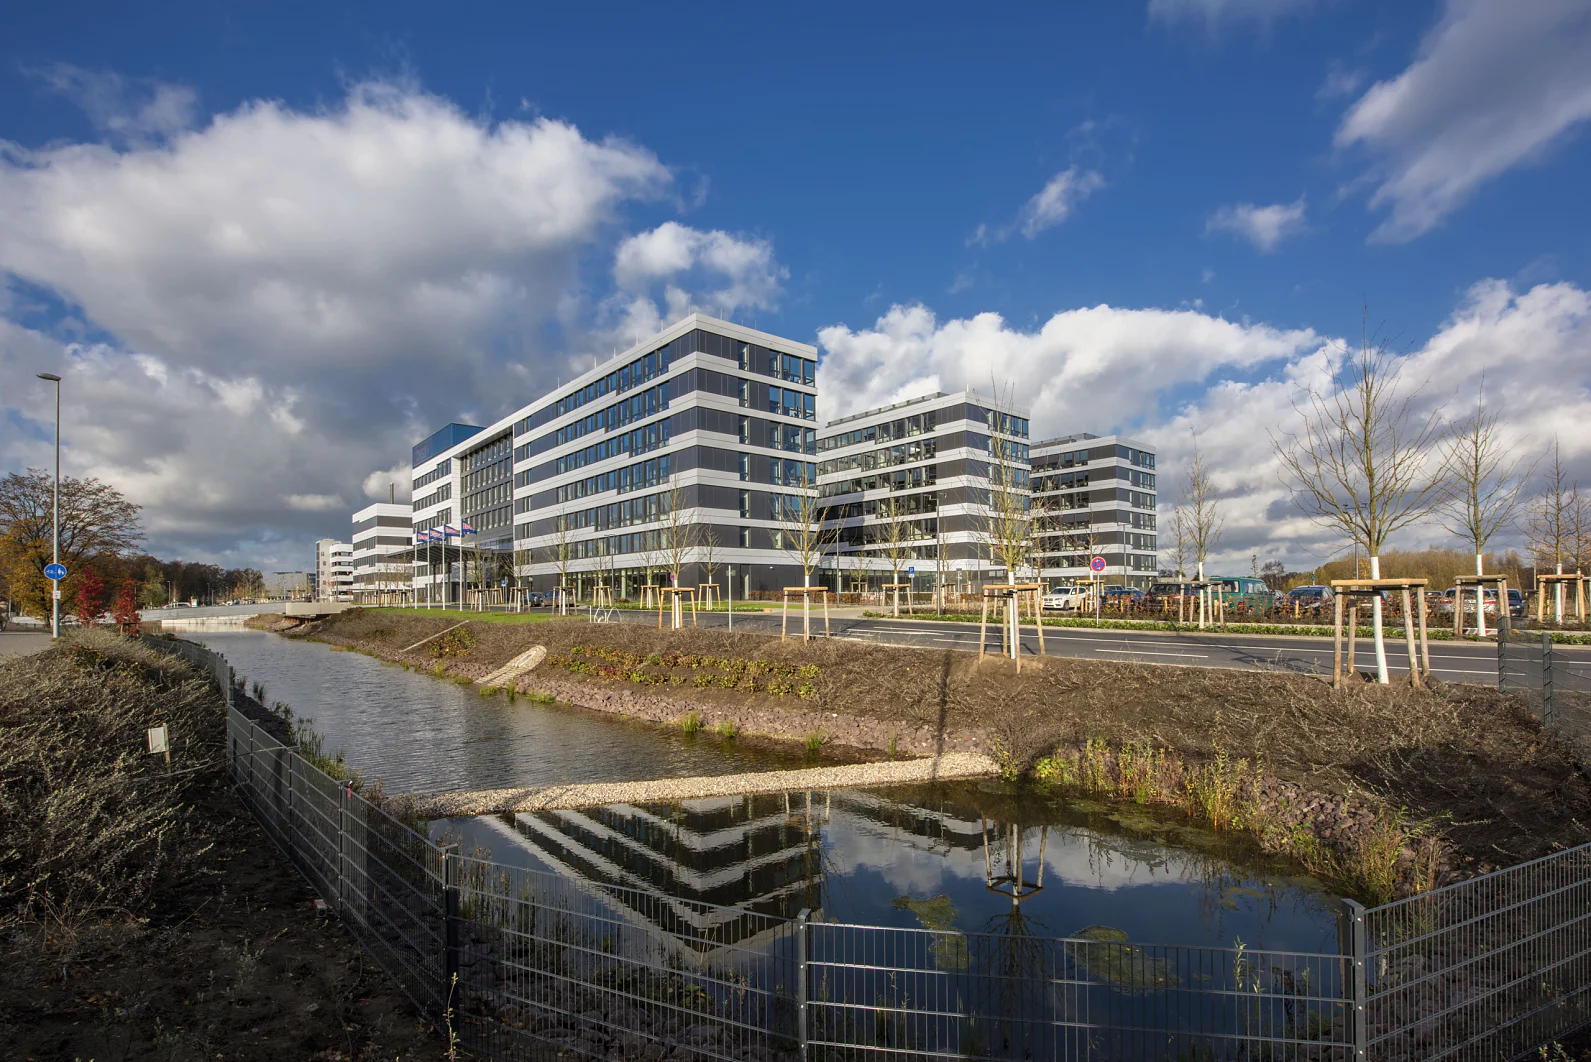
point(901, 428)
point(789, 437)
point(637, 441)
point(887, 457)
point(441, 494)
point(1005, 449)
point(492, 451)
point(902, 479)
point(441, 519)
point(492, 519)
point(442, 468)
point(789, 472)
point(1006, 423)
point(488, 472)
point(906, 505)
point(861, 536)
point(499, 494)
point(636, 407)
point(802, 405)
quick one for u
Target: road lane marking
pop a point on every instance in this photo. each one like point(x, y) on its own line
point(1146, 652)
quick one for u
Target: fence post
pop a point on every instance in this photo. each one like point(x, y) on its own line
point(1353, 948)
point(803, 929)
point(450, 928)
point(342, 849)
point(1503, 631)
point(1548, 715)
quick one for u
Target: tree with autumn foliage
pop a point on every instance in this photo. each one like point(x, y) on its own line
point(98, 526)
point(126, 611)
point(90, 598)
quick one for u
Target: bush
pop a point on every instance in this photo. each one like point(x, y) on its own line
point(456, 642)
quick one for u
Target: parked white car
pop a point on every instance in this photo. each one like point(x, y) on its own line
point(1064, 597)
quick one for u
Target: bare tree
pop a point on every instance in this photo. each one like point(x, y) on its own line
point(1182, 536)
point(1008, 528)
point(707, 555)
point(896, 543)
point(1483, 480)
point(562, 550)
point(802, 534)
point(1361, 461)
point(1549, 523)
point(1201, 510)
point(677, 533)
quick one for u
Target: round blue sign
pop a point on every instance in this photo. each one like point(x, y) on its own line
point(1098, 564)
point(55, 571)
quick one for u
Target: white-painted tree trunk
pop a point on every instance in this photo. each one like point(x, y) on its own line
point(1557, 598)
point(1480, 600)
point(1375, 611)
point(1204, 597)
point(806, 608)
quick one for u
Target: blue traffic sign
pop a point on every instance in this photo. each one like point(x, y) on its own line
point(1098, 564)
point(911, 571)
point(55, 571)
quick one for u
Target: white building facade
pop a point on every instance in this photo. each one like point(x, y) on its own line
point(382, 545)
point(916, 477)
point(334, 570)
point(707, 419)
point(1096, 495)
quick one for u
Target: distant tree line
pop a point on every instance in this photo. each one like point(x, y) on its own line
point(101, 540)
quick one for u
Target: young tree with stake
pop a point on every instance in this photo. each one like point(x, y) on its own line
point(1204, 521)
point(1361, 461)
point(1481, 487)
point(802, 534)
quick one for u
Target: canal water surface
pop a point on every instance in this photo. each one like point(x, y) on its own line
point(946, 857)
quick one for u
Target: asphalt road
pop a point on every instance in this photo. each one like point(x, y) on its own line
point(1451, 661)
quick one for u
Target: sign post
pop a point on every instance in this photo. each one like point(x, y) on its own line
point(1097, 566)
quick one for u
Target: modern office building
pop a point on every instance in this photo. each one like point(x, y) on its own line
point(334, 570)
point(1095, 495)
point(710, 421)
point(436, 567)
point(383, 553)
point(916, 477)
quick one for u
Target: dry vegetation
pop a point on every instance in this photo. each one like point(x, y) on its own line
point(1468, 760)
point(144, 914)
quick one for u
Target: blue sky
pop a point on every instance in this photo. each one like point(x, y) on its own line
point(1230, 177)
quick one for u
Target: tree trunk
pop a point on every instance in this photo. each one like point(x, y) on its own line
point(1480, 600)
point(1376, 622)
point(806, 608)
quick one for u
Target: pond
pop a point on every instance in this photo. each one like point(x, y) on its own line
point(946, 857)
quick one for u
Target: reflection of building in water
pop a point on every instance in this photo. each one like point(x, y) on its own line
point(757, 853)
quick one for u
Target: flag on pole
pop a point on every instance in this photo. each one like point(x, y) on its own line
point(449, 529)
point(466, 529)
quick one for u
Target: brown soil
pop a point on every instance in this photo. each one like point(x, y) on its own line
point(1473, 759)
point(224, 959)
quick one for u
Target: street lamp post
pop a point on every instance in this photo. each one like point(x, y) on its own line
point(55, 592)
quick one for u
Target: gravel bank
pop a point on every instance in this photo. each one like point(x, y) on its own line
point(488, 801)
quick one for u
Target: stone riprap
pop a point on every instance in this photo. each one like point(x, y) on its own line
point(954, 765)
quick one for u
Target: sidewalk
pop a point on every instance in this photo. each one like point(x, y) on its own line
point(22, 643)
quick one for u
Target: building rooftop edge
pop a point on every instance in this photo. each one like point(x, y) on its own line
point(966, 393)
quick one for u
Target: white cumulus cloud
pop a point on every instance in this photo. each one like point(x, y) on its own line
point(1494, 86)
point(1263, 226)
point(1170, 375)
point(285, 300)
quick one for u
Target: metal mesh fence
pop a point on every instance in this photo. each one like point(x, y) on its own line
point(894, 993)
point(1553, 680)
point(1483, 969)
point(529, 964)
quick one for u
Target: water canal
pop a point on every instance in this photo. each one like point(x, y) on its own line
point(941, 857)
